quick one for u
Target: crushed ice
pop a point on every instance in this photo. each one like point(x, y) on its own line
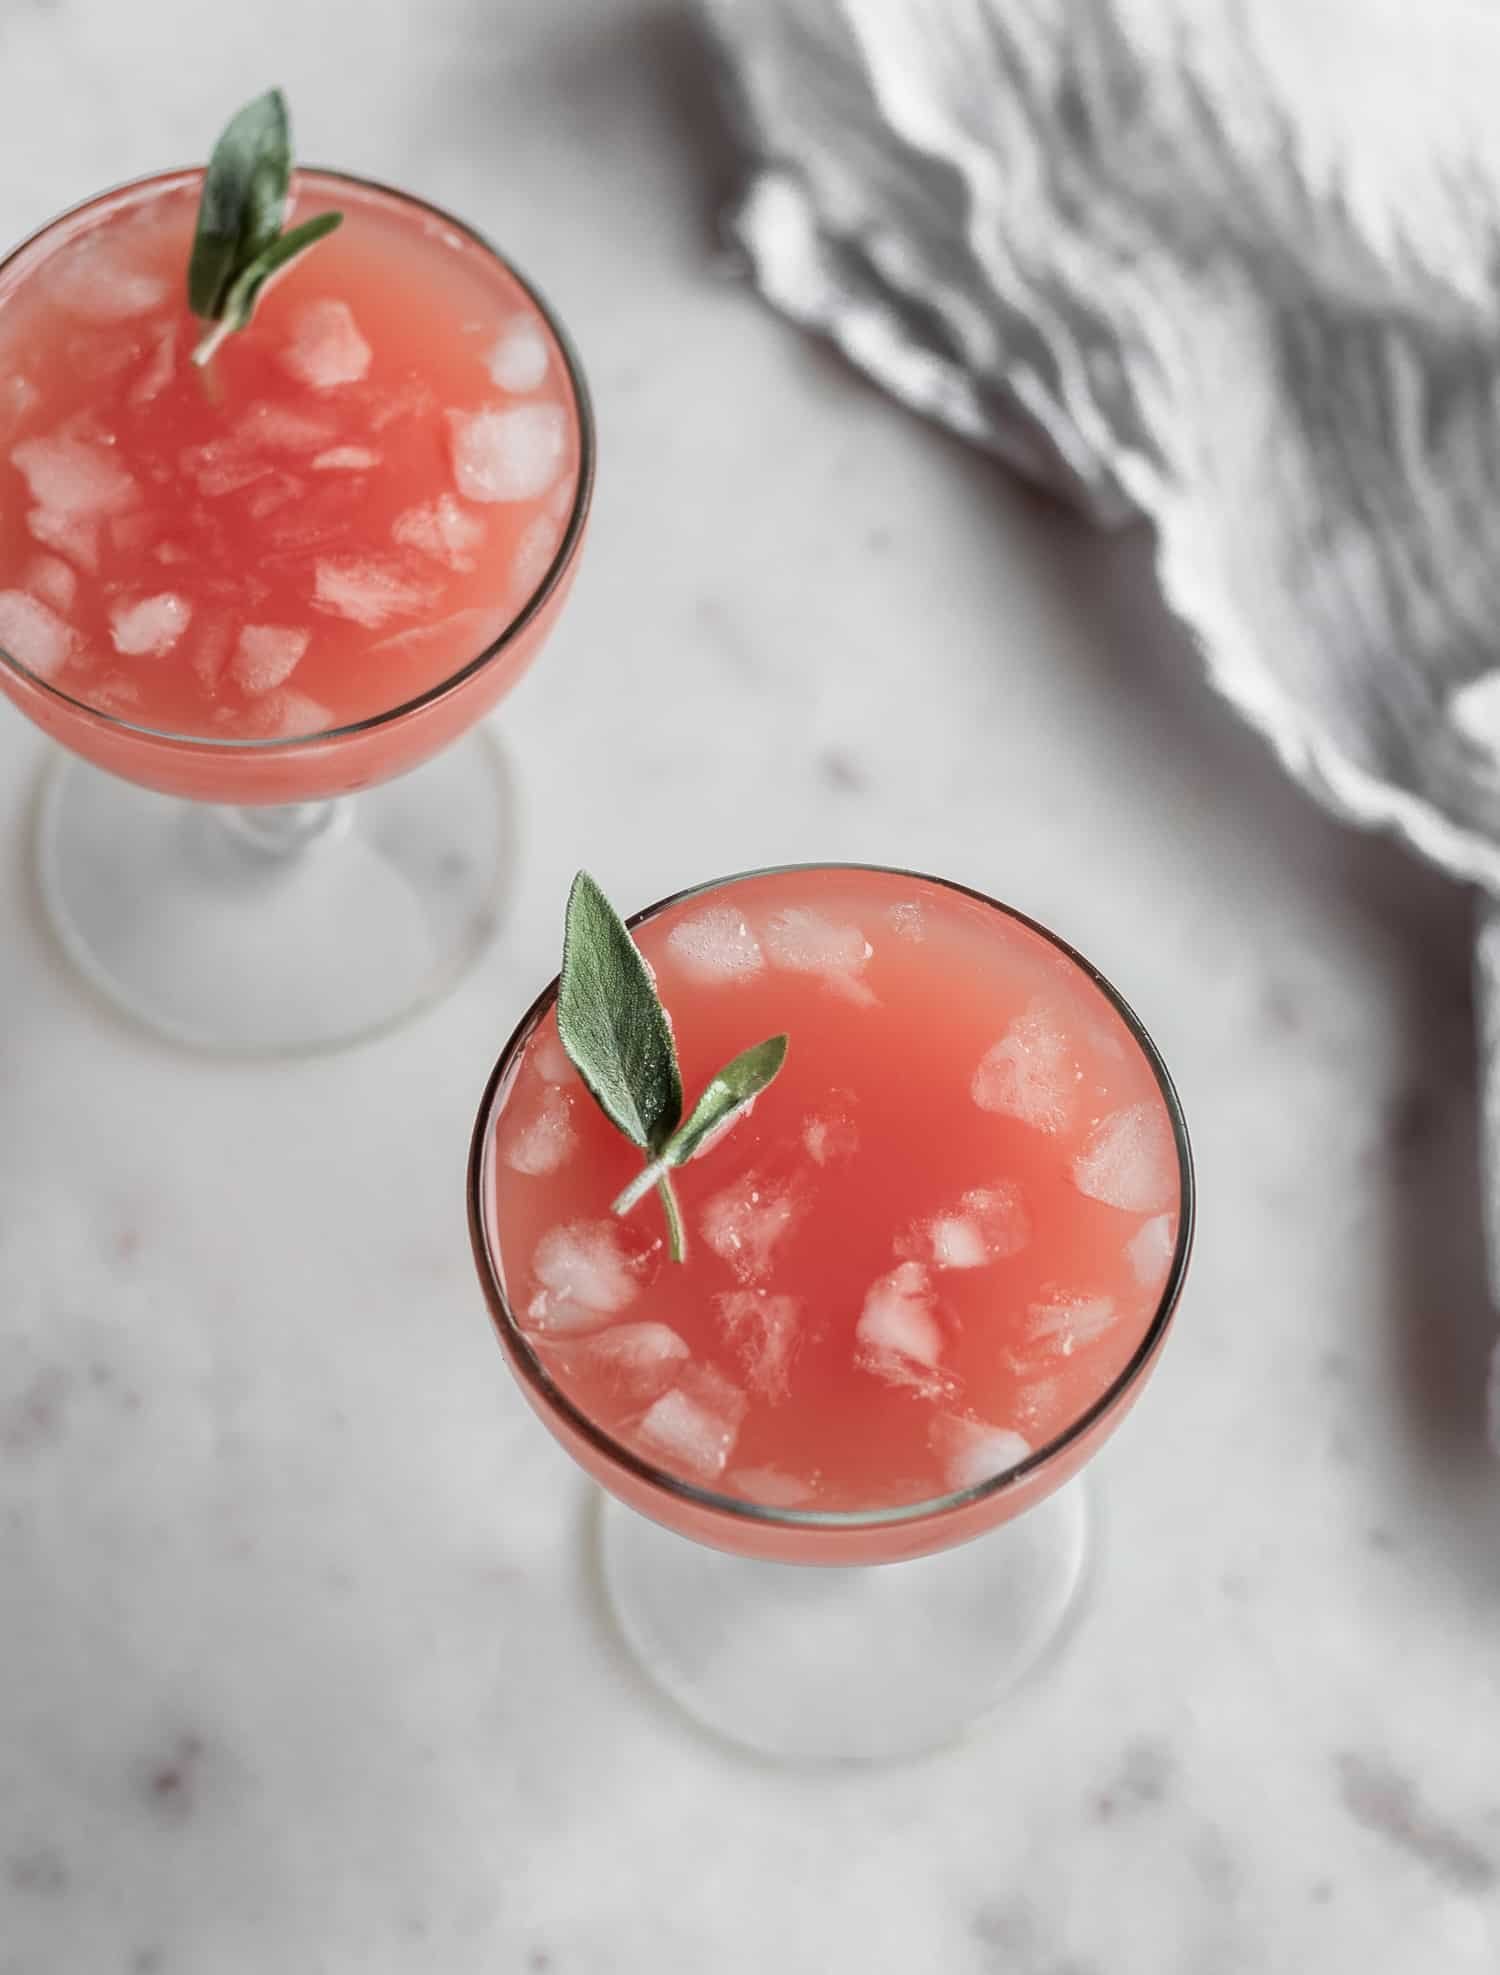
point(547, 1138)
point(442, 528)
point(746, 1222)
point(898, 1335)
point(585, 1276)
point(1066, 1322)
point(368, 590)
point(1130, 1161)
point(326, 349)
point(972, 1452)
point(519, 360)
point(151, 627)
point(512, 455)
point(266, 655)
point(33, 634)
point(1030, 1073)
point(715, 945)
point(695, 1425)
point(805, 942)
point(762, 1331)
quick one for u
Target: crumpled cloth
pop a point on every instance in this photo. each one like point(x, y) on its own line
point(1233, 267)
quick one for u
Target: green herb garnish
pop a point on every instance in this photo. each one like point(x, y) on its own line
point(239, 244)
point(619, 1040)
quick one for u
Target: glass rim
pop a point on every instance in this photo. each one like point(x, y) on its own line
point(524, 1358)
point(551, 578)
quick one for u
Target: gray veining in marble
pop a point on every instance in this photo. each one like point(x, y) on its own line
point(302, 1664)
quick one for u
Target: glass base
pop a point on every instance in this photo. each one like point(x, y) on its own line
point(846, 1664)
point(276, 932)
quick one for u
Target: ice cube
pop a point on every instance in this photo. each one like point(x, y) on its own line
point(115, 693)
point(326, 518)
point(553, 1064)
point(633, 1363)
point(972, 1452)
point(50, 578)
point(220, 467)
point(546, 1139)
point(412, 399)
point(1000, 1214)
point(455, 639)
point(78, 540)
point(693, 1427)
point(1038, 1406)
point(443, 529)
point(326, 349)
point(804, 942)
point(1149, 1250)
point(988, 1224)
point(906, 921)
point(18, 396)
point(98, 358)
point(1065, 1322)
point(267, 655)
point(746, 1222)
point(586, 1276)
point(96, 281)
point(762, 1331)
point(346, 459)
point(715, 945)
point(157, 371)
point(278, 428)
point(957, 1243)
point(771, 1487)
point(210, 652)
point(150, 627)
point(1130, 1161)
point(898, 1335)
point(282, 715)
point(369, 590)
point(1030, 1073)
point(295, 715)
point(33, 635)
point(512, 455)
point(520, 357)
point(533, 557)
point(72, 479)
point(831, 1135)
point(276, 490)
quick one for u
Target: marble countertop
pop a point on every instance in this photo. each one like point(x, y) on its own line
point(301, 1666)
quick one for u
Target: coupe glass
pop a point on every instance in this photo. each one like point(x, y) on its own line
point(814, 1635)
point(286, 895)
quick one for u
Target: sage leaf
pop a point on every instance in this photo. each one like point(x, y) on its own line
point(239, 244)
point(612, 1024)
point(727, 1092)
point(243, 201)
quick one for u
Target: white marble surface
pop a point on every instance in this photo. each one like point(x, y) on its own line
point(301, 1666)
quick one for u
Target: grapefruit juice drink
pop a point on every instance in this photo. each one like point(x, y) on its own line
point(354, 499)
point(294, 473)
point(922, 1253)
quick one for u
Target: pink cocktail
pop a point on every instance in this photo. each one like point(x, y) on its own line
point(925, 1276)
point(300, 572)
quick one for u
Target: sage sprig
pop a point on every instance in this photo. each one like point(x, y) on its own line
point(239, 243)
point(619, 1039)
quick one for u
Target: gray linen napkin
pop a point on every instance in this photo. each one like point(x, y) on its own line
point(1235, 268)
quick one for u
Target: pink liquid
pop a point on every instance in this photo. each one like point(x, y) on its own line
point(362, 494)
point(936, 1242)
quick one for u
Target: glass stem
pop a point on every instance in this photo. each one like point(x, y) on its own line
point(285, 830)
